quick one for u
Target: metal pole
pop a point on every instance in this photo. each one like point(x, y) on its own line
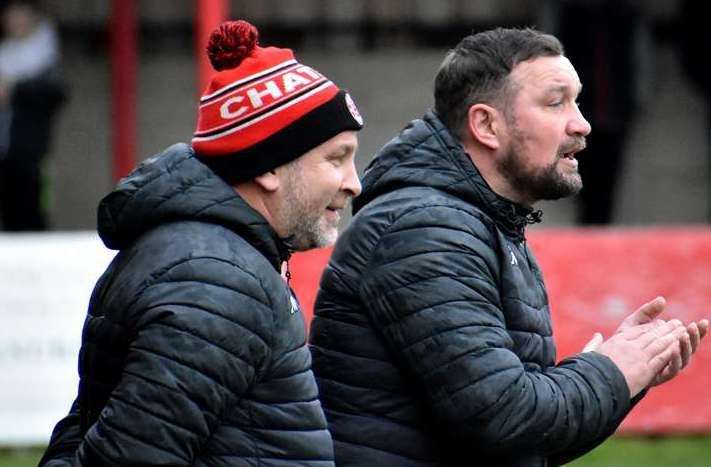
point(123, 50)
point(208, 15)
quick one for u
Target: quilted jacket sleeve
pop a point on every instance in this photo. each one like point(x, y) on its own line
point(65, 440)
point(431, 288)
point(201, 335)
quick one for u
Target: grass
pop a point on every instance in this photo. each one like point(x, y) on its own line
point(25, 457)
point(649, 452)
point(616, 452)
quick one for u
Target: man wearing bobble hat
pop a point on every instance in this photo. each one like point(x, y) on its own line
point(193, 351)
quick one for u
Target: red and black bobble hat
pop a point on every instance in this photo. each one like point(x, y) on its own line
point(262, 108)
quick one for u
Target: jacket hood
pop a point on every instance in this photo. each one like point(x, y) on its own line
point(175, 186)
point(425, 154)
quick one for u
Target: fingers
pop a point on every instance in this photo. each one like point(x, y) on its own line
point(694, 337)
point(594, 343)
point(667, 352)
point(686, 344)
point(655, 341)
point(663, 377)
point(662, 348)
point(659, 361)
point(647, 312)
point(677, 359)
point(634, 331)
point(696, 332)
point(652, 332)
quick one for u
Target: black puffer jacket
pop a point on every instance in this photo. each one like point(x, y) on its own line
point(432, 339)
point(193, 351)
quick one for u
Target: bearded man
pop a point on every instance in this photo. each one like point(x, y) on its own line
point(432, 341)
point(194, 347)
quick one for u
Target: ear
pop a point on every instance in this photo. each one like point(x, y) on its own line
point(268, 181)
point(484, 125)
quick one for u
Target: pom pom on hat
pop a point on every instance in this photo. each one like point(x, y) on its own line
point(231, 43)
point(262, 108)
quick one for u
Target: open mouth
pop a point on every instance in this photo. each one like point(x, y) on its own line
point(570, 158)
point(333, 212)
point(339, 205)
point(571, 152)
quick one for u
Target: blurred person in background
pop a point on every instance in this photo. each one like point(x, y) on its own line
point(432, 339)
point(694, 45)
point(31, 93)
point(605, 41)
point(194, 347)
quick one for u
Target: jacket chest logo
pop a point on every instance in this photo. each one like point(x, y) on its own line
point(514, 261)
point(293, 303)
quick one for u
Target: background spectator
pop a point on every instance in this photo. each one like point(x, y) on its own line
point(602, 39)
point(694, 42)
point(30, 94)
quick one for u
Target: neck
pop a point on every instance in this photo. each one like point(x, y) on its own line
point(260, 201)
point(486, 162)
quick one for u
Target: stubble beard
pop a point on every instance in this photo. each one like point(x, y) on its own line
point(547, 183)
point(305, 221)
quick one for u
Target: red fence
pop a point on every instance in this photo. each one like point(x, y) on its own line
point(595, 277)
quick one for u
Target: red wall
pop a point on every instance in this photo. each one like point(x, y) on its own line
point(595, 277)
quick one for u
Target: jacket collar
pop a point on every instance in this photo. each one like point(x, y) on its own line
point(427, 154)
point(175, 186)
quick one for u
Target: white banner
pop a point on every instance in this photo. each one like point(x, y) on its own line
point(45, 283)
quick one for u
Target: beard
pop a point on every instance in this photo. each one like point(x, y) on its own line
point(304, 216)
point(546, 183)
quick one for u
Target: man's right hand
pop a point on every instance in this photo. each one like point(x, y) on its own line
point(696, 331)
point(641, 352)
point(647, 317)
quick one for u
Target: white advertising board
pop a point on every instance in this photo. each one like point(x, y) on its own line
point(45, 283)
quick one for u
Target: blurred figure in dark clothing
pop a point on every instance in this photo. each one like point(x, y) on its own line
point(694, 44)
point(31, 92)
point(601, 38)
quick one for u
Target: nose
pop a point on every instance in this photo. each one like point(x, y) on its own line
point(351, 182)
point(578, 125)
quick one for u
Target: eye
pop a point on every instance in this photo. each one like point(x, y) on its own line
point(336, 159)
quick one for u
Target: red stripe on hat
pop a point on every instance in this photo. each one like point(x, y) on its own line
point(251, 132)
point(318, 86)
point(206, 99)
point(245, 102)
point(254, 97)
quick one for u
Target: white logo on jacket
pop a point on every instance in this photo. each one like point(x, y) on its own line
point(514, 261)
point(294, 304)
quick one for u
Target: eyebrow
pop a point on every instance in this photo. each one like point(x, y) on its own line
point(564, 88)
point(343, 150)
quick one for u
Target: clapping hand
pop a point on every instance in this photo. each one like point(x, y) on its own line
point(656, 350)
